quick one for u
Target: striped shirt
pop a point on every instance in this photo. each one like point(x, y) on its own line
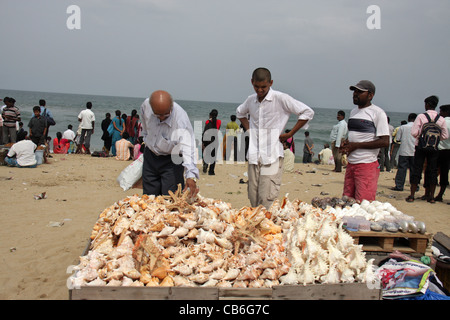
point(366, 125)
point(10, 116)
point(123, 149)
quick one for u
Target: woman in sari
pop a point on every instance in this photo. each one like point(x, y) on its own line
point(119, 129)
point(60, 145)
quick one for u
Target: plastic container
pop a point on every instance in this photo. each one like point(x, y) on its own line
point(364, 225)
point(39, 154)
point(352, 224)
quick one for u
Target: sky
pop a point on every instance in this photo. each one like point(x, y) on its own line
point(206, 50)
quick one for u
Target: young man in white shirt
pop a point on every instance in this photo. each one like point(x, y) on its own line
point(22, 154)
point(87, 119)
point(368, 131)
point(269, 111)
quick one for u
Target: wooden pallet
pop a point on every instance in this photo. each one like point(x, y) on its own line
point(391, 241)
point(347, 291)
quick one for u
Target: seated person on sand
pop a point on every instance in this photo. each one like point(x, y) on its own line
point(326, 155)
point(123, 147)
point(289, 158)
point(60, 145)
point(22, 154)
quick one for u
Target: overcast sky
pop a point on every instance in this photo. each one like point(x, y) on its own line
point(207, 49)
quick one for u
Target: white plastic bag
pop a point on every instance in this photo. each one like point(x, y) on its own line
point(131, 174)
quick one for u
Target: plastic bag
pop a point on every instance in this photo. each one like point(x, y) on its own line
point(131, 174)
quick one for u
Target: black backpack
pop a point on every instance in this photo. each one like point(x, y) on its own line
point(431, 134)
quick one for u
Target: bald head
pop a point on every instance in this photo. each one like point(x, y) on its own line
point(161, 103)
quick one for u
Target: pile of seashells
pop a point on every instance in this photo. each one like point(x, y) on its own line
point(381, 215)
point(175, 241)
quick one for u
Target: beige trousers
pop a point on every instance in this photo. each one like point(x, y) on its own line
point(264, 183)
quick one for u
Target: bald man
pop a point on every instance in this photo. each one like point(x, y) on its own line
point(170, 144)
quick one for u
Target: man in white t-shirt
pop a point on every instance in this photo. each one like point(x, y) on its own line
point(405, 153)
point(368, 131)
point(22, 154)
point(70, 135)
point(325, 154)
point(87, 119)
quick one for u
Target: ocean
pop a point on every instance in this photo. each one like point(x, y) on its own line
point(66, 107)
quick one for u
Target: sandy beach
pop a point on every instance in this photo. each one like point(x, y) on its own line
point(36, 254)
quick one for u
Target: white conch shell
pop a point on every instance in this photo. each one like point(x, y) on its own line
point(334, 254)
point(219, 274)
point(180, 232)
point(356, 258)
point(206, 236)
point(224, 243)
point(290, 278)
point(306, 276)
point(210, 283)
point(332, 277)
point(199, 278)
point(232, 274)
point(183, 269)
point(181, 281)
point(167, 231)
point(190, 224)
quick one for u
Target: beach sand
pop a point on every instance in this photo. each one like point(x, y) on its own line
point(36, 256)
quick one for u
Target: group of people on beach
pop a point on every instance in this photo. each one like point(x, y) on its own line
point(264, 116)
point(23, 143)
point(165, 137)
point(408, 143)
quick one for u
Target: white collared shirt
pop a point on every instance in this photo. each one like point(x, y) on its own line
point(339, 132)
point(173, 136)
point(267, 122)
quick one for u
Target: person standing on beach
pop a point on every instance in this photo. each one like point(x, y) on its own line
point(119, 128)
point(46, 114)
point(210, 142)
point(87, 121)
point(107, 139)
point(444, 154)
point(405, 153)
point(132, 126)
point(230, 139)
point(38, 127)
point(337, 136)
point(423, 152)
point(368, 131)
point(384, 153)
point(10, 115)
point(170, 146)
point(269, 112)
point(308, 149)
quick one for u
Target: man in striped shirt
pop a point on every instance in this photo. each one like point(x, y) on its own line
point(368, 131)
point(10, 115)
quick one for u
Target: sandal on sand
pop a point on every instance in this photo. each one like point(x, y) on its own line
point(431, 200)
point(410, 199)
point(438, 199)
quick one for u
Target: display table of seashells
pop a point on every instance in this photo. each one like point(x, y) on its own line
point(173, 241)
point(369, 216)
